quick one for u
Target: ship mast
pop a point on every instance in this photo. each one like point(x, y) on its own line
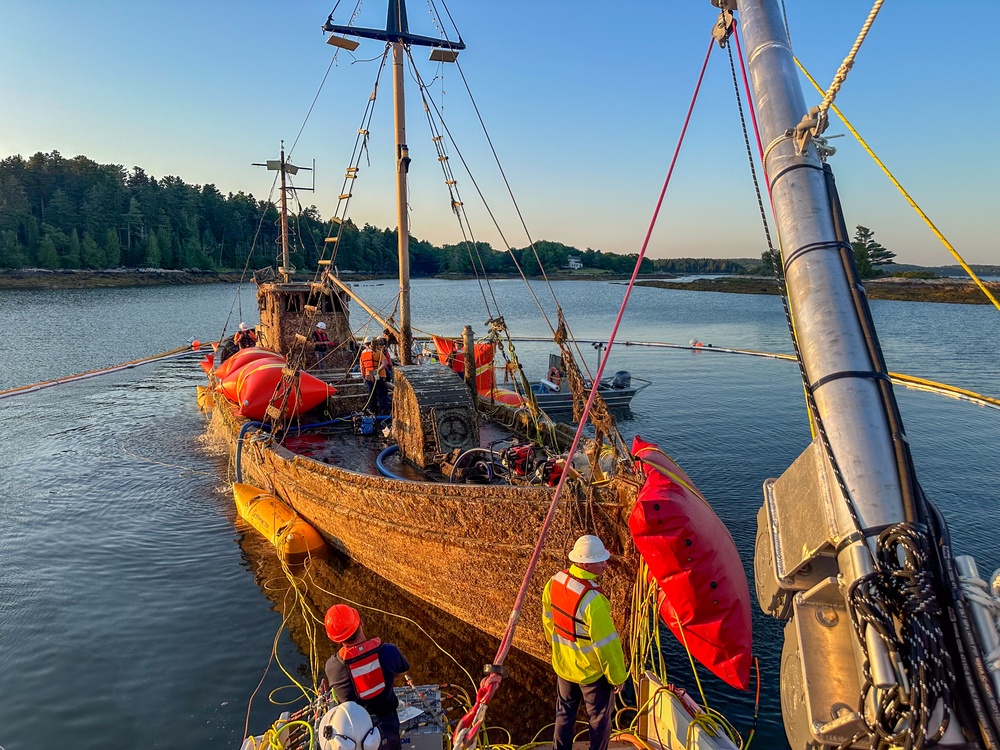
point(284, 167)
point(822, 519)
point(397, 34)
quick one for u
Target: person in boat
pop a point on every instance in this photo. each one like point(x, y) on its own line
point(321, 342)
point(373, 370)
point(363, 669)
point(382, 345)
point(245, 337)
point(587, 653)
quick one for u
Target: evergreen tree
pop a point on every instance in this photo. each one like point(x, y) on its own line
point(11, 255)
point(48, 256)
point(152, 256)
point(874, 254)
point(112, 249)
point(91, 254)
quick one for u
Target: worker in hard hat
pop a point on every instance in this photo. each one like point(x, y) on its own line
point(245, 337)
point(374, 369)
point(363, 670)
point(587, 654)
point(321, 342)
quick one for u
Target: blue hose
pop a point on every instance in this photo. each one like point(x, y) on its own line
point(383, 469)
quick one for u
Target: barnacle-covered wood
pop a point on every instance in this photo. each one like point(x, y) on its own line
point(463, 548)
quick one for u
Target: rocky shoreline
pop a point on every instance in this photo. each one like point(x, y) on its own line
point(35, 278)
point(948, 290)
point(960, 291)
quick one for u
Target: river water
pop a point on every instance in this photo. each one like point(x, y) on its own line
point(136, 612)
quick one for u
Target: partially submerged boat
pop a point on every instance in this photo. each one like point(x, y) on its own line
point(446, 498)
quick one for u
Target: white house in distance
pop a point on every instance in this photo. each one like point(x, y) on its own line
point(575, 264)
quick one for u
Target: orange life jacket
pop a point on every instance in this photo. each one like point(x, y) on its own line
point(243, 339)
point(369, 362)
point(366, 669)
point(567, 594)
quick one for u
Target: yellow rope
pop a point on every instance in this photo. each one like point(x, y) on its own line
point(951, 249)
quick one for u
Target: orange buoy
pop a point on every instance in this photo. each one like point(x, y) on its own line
point(293, 538)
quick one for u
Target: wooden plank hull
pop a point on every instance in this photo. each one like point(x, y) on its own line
point(462, 548)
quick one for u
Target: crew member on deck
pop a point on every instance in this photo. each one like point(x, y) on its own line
point(587, 654)
point(321, 342)
point(363, 669)
point(374, 371)
point(245, 337)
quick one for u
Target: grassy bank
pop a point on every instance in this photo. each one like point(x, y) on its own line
point(962, 291)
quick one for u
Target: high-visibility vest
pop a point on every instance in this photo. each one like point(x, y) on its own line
point(369, 362)
point(366, 670)
point(570, 597)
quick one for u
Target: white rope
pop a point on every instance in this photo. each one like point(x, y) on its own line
point(845, 67)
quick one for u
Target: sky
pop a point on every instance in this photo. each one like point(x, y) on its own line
point(583, 103)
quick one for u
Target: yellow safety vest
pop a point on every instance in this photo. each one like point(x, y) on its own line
point(586, 660)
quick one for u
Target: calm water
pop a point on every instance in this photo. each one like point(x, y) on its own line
point(133, 611)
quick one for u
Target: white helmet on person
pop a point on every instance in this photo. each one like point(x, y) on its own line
point(321, 325)
point(348, 727)
point(367, 341)
point(244, 327)
point(589, 549)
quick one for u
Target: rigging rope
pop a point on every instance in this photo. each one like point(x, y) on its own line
point(470, 724)
point(937, 233)
point(845, 66)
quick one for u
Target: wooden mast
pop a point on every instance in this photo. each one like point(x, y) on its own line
point(405, 343)
point(286, 268)
point(397, 33)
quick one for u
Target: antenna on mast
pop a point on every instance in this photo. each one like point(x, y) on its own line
point(285, 167)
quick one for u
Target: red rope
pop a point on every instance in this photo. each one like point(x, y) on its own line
point(753, 111)
point(469, 725)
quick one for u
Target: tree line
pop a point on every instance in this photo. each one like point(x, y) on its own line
point(75, 213)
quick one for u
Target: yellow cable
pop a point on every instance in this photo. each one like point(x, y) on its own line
point(951, 249)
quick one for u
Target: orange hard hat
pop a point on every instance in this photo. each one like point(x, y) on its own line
point(341, 622)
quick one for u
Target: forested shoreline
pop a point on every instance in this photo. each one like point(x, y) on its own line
point(65, 214)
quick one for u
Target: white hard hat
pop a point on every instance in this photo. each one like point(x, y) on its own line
point(368, 340)
point(348, 727)
point(588, 549)
point(322, 325)
point(243, 326)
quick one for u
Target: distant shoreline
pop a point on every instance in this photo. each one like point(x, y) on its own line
point(34, 278)
point(953, 291)
point(948, 290)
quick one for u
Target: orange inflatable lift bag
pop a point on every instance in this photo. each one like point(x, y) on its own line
point(293, 538)
point(242, 357)
point(691, 555)
point(206, 364)
point(230, 384)
point(503, 396)
point(261, 386)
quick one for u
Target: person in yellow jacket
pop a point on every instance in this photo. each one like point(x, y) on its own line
point(587, 653)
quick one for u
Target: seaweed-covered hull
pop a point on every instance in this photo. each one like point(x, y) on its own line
point(462, 548)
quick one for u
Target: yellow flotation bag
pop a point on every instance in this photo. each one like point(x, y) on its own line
point(293, 538)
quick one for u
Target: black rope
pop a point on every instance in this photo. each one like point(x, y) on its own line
point(868, 374)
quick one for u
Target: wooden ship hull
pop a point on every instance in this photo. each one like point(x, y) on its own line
point(460, 547)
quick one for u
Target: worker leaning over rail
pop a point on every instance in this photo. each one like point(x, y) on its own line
point(587, 653)
point(363, 670)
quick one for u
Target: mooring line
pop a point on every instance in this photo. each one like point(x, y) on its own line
point(178, 352)
point(907, 381)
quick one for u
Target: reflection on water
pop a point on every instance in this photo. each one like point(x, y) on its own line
point(440, 648)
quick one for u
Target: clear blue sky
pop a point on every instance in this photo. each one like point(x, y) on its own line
point(584, 102)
